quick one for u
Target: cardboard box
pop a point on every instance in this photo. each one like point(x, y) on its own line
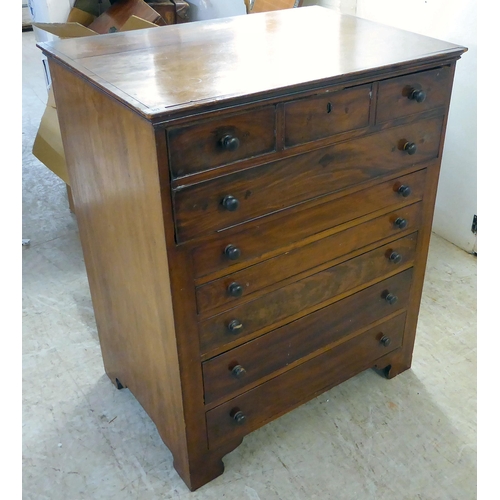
point(253, 7)
point(48, 146)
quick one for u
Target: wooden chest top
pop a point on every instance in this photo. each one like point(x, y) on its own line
point(176, 70)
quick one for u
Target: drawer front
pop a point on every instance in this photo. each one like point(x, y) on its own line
point(314, 118)
point(284, 392)
point(238, 368)
point(296, 298)
point(255, 278)
point(266, 239)
point(413, 93)
point(223, 202)
point(213, 143)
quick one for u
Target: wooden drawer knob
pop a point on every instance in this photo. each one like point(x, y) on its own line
point(235, 289)
point(239, 417)
point(417, 95)
point(395, 257)
point(404, 191)
point(230, 143)
point(230, 203)
point(400, 223)
point(410, 148)
point(385, 341)
point(232, 252)
point(238, 371)
point(235, 326)
point(390, 298)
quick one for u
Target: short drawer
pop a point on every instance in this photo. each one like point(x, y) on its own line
point(232, 199)
point(255, 278)
point(235, 248)
point(245, 365)
point(212, 143)
point(413, 93)
point(296, 299)
point(254, 408)
point(314, 118)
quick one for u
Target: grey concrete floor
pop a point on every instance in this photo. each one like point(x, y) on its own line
point(413, 437)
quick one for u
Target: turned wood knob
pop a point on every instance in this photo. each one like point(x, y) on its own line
point(390, 298)
point(404, 191)
point(410, 148)
point(230, 142)
point(400, 223)
point(235, 326)
point(385, 341)
point(235, 289)
point(239, 417)
point(417, 95)
point(230, 203)
point(238, 371)
point(232, 252)
point(395, 257)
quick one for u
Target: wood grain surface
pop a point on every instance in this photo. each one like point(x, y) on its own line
point(217, 60)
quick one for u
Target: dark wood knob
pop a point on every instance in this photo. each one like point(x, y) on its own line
point(404, 191)
point(235, 289)
point(238, 371)
point(417, 95)
point(230, 203)
point(400, 223)
point(395, 257)
point(239, 417)
point(410, 148)
point(390, 298)
point(230, 143)
point(232, 252)
point(235, 326)
point(385, 341)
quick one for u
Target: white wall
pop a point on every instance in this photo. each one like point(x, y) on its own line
point(453, 21)
point(343, 6)
point(200, 10)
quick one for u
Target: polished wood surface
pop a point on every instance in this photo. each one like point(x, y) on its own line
point(119, 213)
point(251, 242)
point(218, 60)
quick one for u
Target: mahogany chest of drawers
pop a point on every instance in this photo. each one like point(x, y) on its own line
point(254, 197)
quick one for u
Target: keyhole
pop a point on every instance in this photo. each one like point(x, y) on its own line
point(329, 107)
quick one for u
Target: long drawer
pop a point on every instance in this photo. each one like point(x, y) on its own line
point(296, 298)
point(255, 278)
point(269, 237)
point(232, 199)
point(254, 408)
point(247, 364)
